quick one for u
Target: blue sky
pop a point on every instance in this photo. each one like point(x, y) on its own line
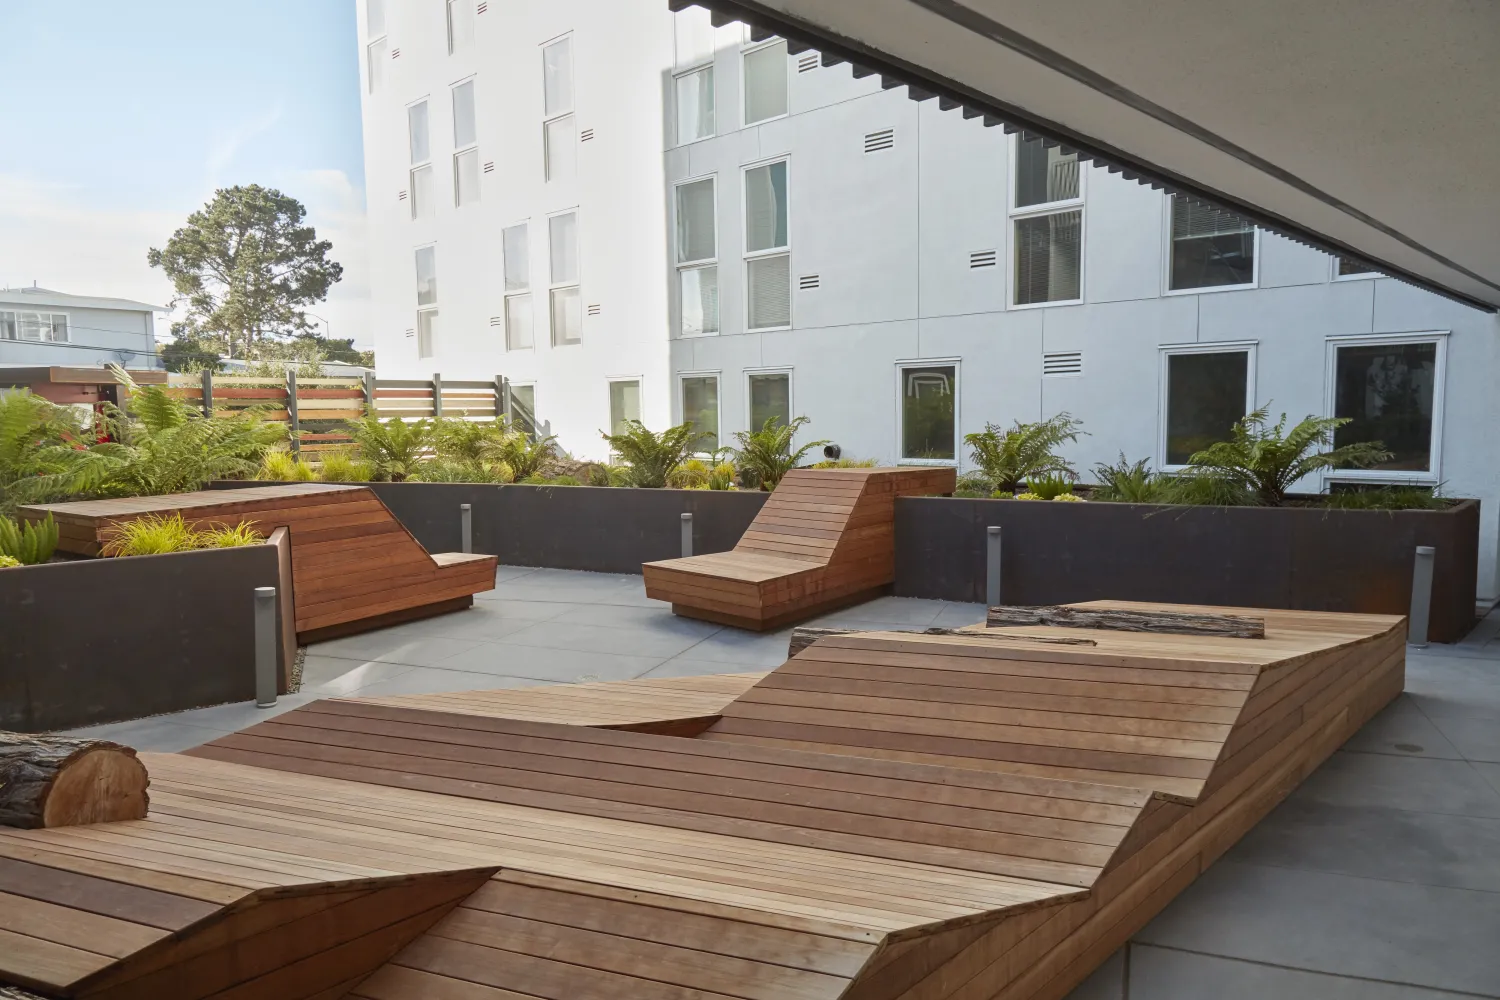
point(119, 119)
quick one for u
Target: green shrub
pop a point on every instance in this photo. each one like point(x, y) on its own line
point(392, 448)
point(846, 463)
point(1026, 451)
point(696, 474)
point(1130, 482)
point(1265, 459)
point(29, 543)
point(649, 458)
point(1049, 487)
point(224, 537)
point(765, 455)
point(7, 562)
point(157, 534)
point(442, 470)
point(1387, 498)
point(342, 467)
point(283, 466)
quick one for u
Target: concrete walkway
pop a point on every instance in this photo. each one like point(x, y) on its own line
point(1378, 879)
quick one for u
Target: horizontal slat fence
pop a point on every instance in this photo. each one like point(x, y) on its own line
point(316, 409)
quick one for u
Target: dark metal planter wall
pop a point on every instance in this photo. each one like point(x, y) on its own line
point(104, 640)
point(1303, 558)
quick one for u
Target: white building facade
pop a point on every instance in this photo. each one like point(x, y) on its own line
point(42, 327)
point(628, 212)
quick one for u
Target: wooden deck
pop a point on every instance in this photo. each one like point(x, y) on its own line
point(354, 566)
point(885, 816)
point(825, 539)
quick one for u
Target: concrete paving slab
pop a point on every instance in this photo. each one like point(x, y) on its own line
point(1168, 974)
point(660, 644)
point(681, 666)
point(1105, 983)
point(752, 650)
point(335, 677)
point(1417, 784)
point(656, 619)
point(1475, 737)
point(1402, 728)
point(548, 664)
point(431, 680)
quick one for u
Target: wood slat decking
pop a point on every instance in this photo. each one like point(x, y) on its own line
point(825, 539)
point(887, 816)
point(354, 565)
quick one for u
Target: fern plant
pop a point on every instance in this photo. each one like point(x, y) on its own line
point(393, 448)
point(30, 543)
point(649, 458)
point(1050, 487)
point(1265, 459)
point(45, 452)
point(1009, 458)
point(764, 456)
point(525, 457)
point(1130, 482)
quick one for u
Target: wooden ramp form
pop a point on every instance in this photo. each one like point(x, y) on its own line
point(885, 816)
point(824, 539)
point(354, 565)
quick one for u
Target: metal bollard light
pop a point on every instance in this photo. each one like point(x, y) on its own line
point(992, 567)
point(687, 535)
point(1421, 596)
point(265, 647)
point(466, 526)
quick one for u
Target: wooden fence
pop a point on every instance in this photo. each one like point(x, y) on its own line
point(316, 409)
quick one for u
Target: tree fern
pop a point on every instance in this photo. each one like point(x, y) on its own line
point(764, 456)
point(393, 447)
point(1009, 458)
point(1265, 459)
point(650, 458)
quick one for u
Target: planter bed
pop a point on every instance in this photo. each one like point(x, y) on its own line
point(1304, 558)
point(89, 641)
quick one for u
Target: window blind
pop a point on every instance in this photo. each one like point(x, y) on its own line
point(695, 105)
point(770, 280)
point(695, 221)
point(765, 207)
point(1193, 220)
point(1048, 252)
point(765, 83)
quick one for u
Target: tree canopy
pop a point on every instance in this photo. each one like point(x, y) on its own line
point(244, 264)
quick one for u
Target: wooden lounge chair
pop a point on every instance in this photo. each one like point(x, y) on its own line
point(824, 539)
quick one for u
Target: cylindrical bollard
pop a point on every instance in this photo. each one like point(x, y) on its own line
point(992, 566)
point(466, 525)
point(1421, 596)
point(687, 535)
point(265, 647)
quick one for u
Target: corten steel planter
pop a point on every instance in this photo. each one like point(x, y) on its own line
point(602, 529)
point(104, 640)
point(1303, 558)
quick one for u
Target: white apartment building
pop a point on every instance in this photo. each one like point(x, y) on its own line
point(629, 212)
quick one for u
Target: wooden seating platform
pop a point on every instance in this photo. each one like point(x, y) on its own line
point(354, 566)
point(980, 815)
point(824, 539)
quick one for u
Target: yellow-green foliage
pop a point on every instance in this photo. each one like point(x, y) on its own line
point(846, 463)
point(29, 543)
point(6, 562)
point(157, 534)
point(696, 474)
point(1069, 497)
point(283, 466)
point(342, 467)
point(1029, 496)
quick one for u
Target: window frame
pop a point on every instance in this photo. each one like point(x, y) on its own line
point(706, 66)
point(510, 414)
point(609, 382)
point(717, 374)
point(1432, 475)
point(1166, 259)
point(16, 311)
point(576, 283)
point(550, 119)
point(747, 255)
point(506, 294)
point(370, 62)
point(1333, 271)
point(749, 50)
point(1169, 351)
point(414, 165)
point(448, 24)
point(1015, 213)
point(900, 367)
point(791, 391)
point(472, 147)
point(694, 265)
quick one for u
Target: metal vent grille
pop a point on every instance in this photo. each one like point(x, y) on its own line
point(877, 141)
point(400, 195)
point(395, 53)
point(1062, 364)
point(808, 63)
point(982, 258)
point(482, 8)
point(497, 321)
point(807, 281)
point(585, 135)
point(411, 332)
point(489, 166)
point(594, 309)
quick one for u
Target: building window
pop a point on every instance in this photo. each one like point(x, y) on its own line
point(566, 307)
point(929, 413)
point(697, 257)
point(1210, 248)
point(695, 105)
point(624, 404)
point(1206, 393)
point(1344, 267)
point(768, 265)
point(377, 53)
point(460, 25)
point(700, 406)
point(1391, 392)
point(419, 141)
point(1047, 234)
point(765, 82)
point(465, 138)
point(522, 412)
point(518, 319)
point(374, 18)
point(770, 396)
point(40, 327)
point(559, 129)
point(427, 297)
point(8, 325)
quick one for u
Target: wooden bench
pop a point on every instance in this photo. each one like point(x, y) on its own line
point(824, 539)
point(354, 566)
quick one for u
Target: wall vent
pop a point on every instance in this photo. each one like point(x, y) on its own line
point(496, 321)
point(1062, 364)
point(489, 166)
point(807, 281)
point(594, 309)
point(982, 258)
point(585, 135)
point(395, 53)
point(808, 63)
point(410, 332)
point(400, 195)
point(876, 141)
point(482, 8)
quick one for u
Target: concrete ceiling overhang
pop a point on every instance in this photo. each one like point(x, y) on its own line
point(1367, 128)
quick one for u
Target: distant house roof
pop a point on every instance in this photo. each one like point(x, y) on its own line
point(35, 296)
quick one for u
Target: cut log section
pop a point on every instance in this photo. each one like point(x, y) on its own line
point(805, 635)
point(48, 781)
point(1159, 622)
